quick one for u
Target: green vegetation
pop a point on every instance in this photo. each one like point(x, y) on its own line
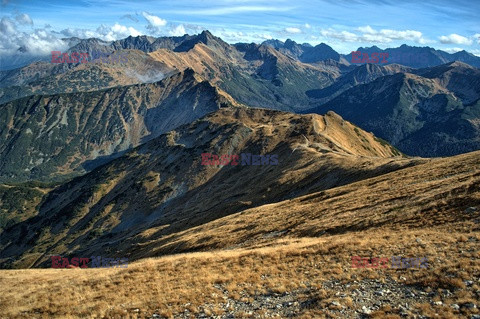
point(395, 150)
point(20, 202)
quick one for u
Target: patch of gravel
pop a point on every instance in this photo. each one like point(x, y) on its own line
point(373, 294)
point(368, 296)
point(272, 305)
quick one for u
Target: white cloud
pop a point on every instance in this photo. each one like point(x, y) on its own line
point(477, 36)
point(119, 32)
point(234, 36)
point(308, 26)
point(18, 46)
point(107, 33)
point(154, 20)
point(368, 34)
point(83, 33)
point(292, 30)
point(194, 28)
point(155, 24)
point(366, 29)
point(237, 36)
point(412, 35)
point(475, 52)
point(340, 35)
point(178, 31)
point(452, 50)
point(24, 19)
point(34, 43)
point(455, 39)
point(7, 27)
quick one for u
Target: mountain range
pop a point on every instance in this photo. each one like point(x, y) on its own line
point(106, 129)
point(425, 112)
point(162, 184)
point(170, 81)
point(370, 159)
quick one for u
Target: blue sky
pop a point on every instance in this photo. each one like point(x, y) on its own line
point(344, 25)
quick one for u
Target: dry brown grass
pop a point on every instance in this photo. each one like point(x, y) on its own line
point(432, 194)
point(418, 211)
point(169, 285)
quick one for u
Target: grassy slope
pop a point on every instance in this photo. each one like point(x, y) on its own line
point(162, 186)
point(416, 211)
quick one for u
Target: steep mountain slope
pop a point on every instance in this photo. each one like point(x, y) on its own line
point(51, 135)
point(360, 75)
point(253, 74)
point(434, 192)
point(436, 114)
point(293, 258)
point(163, 186)
point(19, 202)
point(457, 77)
point(257, 75)
point(277, 75)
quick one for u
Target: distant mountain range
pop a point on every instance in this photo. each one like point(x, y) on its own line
point(306, 52)
point(416, 57)
point(43, 135)
point(63, 119)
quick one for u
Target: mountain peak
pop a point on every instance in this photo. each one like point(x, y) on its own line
point(290, 42)
point(206, 37)
point(319, 52)
point(323, 45)
point(459, 63)
point(277, 44)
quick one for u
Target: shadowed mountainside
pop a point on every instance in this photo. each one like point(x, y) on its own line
point(430, 112)
point(45, 137)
